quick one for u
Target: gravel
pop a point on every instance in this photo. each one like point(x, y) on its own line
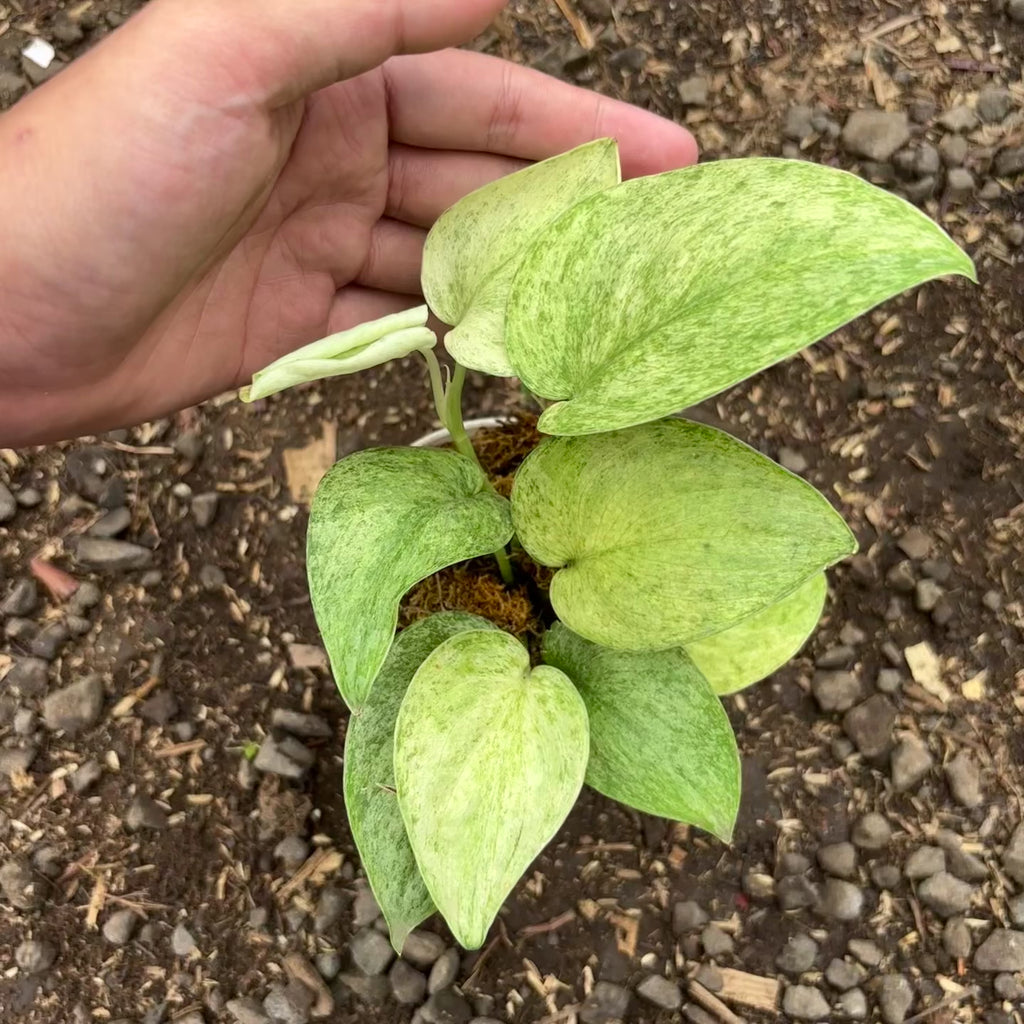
point(27, 676)
point(841, 900)
point(35, 956)
point(297, 723)
point(994, 103)
point(287, 758)
point(1003, 950)
point(660, 992)
point(715, 941)
point(108, 555)
point(866, 951)
point(204, 508)
point(688, 916)
point(19, 885)
point(875, 134)
point(421, 948)
point(182, 941)
point(853, 1004)
point(608, 1002)
point(21, 599)
point(444, 972)
point(843, 975)
point(798, 955)
point(838, 859)
point(910, 763)
point(75, 707)
point(292, 852)
point(836, 691)
point(446, 1007)
point(956, 938)
point(895, 997)
point(925, 862)
point(8, 506)
point(408, 985)
point(804, 1002)
point(246, 1011)
point(329, 908)
point(1013, 855)
point(694, 91)
point(959, 119)
point(145, 812)
point(288, 1004)
point(371, 951)
point(871, 832)
point(945, 894)
point(120, 926)
point(870, 726)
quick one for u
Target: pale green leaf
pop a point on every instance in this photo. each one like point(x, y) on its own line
point(382, 520)
point(472, 252)
point(669, 532)
point(489, 759)
point(757, 646)
point(370, 798)
point(359, 348)
point(653, 295)
point(660, 740)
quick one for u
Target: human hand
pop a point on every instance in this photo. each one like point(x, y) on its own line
point(216, 184)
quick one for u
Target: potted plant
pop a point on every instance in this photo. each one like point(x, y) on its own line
point(671, 563)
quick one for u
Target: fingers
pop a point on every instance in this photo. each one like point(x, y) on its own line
point(393, 259)
point(355, 305)
point(469, 101)
point(279, 51)
point(423, 183)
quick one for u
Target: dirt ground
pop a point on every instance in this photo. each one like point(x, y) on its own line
point(911, 421)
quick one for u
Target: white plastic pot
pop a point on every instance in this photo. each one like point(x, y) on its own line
point(439, 437)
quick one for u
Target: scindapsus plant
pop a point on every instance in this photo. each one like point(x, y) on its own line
point(686, 565)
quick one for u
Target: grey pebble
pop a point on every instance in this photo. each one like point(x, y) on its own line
point(805, 1002)
point(373, 990)
point(792, 863)
point(300, 724)
point(75, 707)
point(837, 656)
point(8, 506)
point(959, 119)
point(945, 894)
point(799, 123)
point(421, 948)
point(145, 812)
point(1015, 10)
point(329, 908)
point(111, 523)
point(710, 977)
point(120, 926)
point(365, 911)
point(1015, 906)
point(927, 593)
point(925, 862)
point(22, 598)
point(901, 577)
point(841, 900)
point(953, 150)
point(204, 508)
point(793, 892)
point(659, 991)
point(35, 956)
point(408, 985)
point(1010, 162)
point(959, 185)
point(111, 555)
point(211, 577)
point(870, 726)
point(49, 640)
point(792, 460)
point(888, 680)
point(292, 851)
point(798, 954)
point(444, 972)
point(28, 497)
point(871, 832)
point(246, 1011)
point(927, 160)
point(86, 776)
point(693, 92)
point(607, 1002)
point(688, 916)
point(875, 134)
point(24, 722)
point(1013, 855)
point(182, 941)
point(853, 1004)
point(287, 758)
point(371, 951)
point(288, 1004)
point(86, 597)
point(446, 1007)
point(895, 997)
point(1003, 950)
point(715, 941)
point(956, 938)
point(15, 760)
point(12, 87)
point(328, 964)
point(836, 691)
point(27, 676)
point(843, 975)
point(866, 951)
point(838, 859)
point(1007, 986)
point(189, 444)
point(958, 861)
point(910, 763)
point(994, 103)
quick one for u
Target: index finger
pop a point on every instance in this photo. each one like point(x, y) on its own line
point(458, 99)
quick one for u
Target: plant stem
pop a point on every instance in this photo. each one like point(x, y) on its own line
point(460, 440)
point(436, 385)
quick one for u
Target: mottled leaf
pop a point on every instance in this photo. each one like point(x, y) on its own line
point(489, 758)
point(382, 520)
point(669, 532)
point(473, 250)
point(370, 798)
point(660, 740)
point(757, 646)
point(662, 291)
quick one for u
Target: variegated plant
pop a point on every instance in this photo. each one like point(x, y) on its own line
point(688, 566)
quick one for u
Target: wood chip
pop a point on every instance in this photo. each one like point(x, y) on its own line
point(301, 970)
point(304, 468)
point(579, 27)
point(307, 656)
point(712, 1004)
point(749, 989)
point(627, 930)
point(926, 669)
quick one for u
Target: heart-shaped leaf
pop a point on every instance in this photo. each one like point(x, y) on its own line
point(382, 520)
point(474, 248)
point(669, 532)
point(489, 758)
point(370, 797)
point(655, 294)
point(757, 646)
point(660, 740)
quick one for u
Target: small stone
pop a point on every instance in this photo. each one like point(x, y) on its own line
point(927, 160)
point(204, 508)
point(299, 724)
point(1008, 987)
point(288, 1004)
point(292, 851)
point(120, 926)
point(837, 656)
point(35, 956)
point(688, 916)
point(956, 938)
point(287, 758)
point(27, 676)
point(329, 908)
point(421, 948)
point(86, 776)
point(792, 460)
point(953, 150)
point(990, 191)
point(870, 726)
point(365, 911)
point(798, 955)
point(328, 964)
point(805, 1002)
point(21, 599)
point(693, 92)
point(408, 985)
point(24, 722)
point(145, 812)
point(843, 975)
point(839, 859)
point(959, 119)
point(17, 760)
point(1013, 855)
point(794, 892)
point(853, 1004)
point(1015, 906)
point(910, 763)
point(945, 894)
point(1010, 162)
point(189, 444)
point(875, 134)
point(958, 861)
point(1003, 950)
point(75, 707)
point(116, 521)
point(836, 691)
point(715, 941)
point(661, 992)
point(8, 504)
point(211, 577)
point(888, 680)
point(710, 977)
point(758, 885)
point(841, 900)
point(182, 941)
point(901, 577)
point(994, 103)
point(446, 1007)
point(49, 640)
point(12, 88)
point(111, 555)
point(1015, 10)
point(964, 778)
point(959, 185)
point(1014, 235)
point(793, 863)
point(371, 951)
point(246, 1011)
point(444, 972)
point(895, 997)
point(799, 123)
point(885, 876)
point(927, 593)
point(871, 832)
point(160, 708)
point(915, 543)
point(86, 597)
point(605, 1004)
point(28, 497)
point(925, 862)
point(866, 951)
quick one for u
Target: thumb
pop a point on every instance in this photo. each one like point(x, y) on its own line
point(281, 51)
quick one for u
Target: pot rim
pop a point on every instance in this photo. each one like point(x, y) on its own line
point(438, 437)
